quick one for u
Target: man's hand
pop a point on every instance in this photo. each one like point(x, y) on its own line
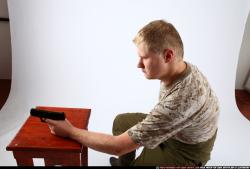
point(61, 128)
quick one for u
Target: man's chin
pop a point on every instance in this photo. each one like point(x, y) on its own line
point(148, 77)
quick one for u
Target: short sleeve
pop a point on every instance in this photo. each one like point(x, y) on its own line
point(174, 112)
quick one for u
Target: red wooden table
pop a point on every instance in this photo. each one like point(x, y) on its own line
point(34, 140)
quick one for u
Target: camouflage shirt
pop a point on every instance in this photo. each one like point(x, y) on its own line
point(187, 111)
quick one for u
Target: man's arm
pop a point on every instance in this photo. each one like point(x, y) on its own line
point(116, 145)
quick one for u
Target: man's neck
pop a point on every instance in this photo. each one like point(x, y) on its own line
point(178, 70)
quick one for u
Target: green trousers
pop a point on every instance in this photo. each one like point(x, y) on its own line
point(168, 153)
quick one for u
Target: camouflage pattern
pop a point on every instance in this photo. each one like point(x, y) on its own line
point(187, 111)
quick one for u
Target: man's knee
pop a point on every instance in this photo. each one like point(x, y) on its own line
point(118, 124)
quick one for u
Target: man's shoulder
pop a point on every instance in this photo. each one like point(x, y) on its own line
point(193, 68)
point(194, 79)
point(197, 75)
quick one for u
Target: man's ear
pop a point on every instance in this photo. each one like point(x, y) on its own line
point(168, 55)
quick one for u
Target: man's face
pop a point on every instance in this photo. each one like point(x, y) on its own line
point(151, 63)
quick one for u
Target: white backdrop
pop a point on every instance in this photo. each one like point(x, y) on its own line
point(244, 57)
point(75, 53)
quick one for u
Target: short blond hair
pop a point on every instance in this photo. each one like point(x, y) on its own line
point(159, 35)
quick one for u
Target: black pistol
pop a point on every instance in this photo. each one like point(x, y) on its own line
point(44, 114)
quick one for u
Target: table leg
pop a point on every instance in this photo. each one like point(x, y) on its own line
point(50, 162)
point(21, 161)
point(84, 157)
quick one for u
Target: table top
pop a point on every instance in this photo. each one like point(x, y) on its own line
point(35, 135)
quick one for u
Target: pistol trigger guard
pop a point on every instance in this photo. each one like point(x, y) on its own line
point(43, 120)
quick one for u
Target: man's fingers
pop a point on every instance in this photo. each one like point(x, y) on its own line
point(51, 122)
point(51, 129)
point(52, 132)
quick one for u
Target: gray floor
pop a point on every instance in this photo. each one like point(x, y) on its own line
point(7, 158)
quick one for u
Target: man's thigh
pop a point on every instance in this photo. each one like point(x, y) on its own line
point(123, 122)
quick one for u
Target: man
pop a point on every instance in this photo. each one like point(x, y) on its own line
point(180, 130)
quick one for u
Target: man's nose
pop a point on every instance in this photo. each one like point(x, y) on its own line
point(140, 64)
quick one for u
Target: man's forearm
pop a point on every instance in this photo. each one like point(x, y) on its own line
point(97, 141)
